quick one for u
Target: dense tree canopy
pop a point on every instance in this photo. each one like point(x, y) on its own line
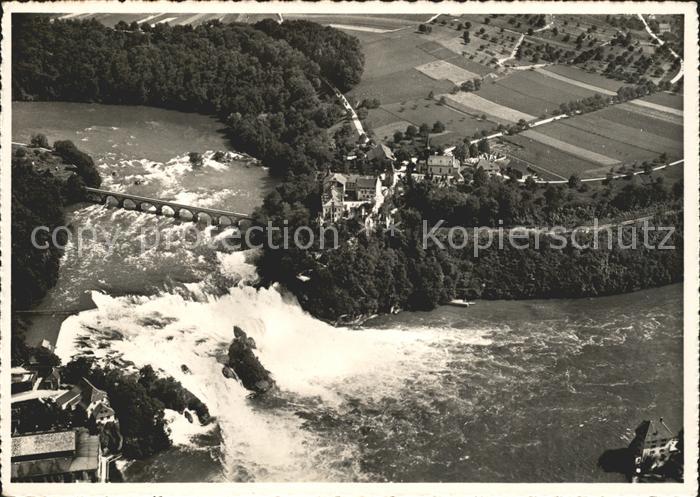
point(266, 91)
point(338, 54)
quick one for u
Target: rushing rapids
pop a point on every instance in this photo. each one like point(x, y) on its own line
point(498, 391)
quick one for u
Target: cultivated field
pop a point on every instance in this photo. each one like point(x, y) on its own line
point(364, 22)
point(422, 111)
point(575, 82)
point(641, 122)
point(532, 92)
point(386, 132)
point(589, 78)
point(549, 163)
point(651, 113)
point(402, 69)
point(553, 139)
point(647, 144)
point(174, 19)
point(441, 69)
point(670, 100)
point(473, 103)
point(642, 102)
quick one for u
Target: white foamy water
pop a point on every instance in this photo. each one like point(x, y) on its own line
point(308, 359)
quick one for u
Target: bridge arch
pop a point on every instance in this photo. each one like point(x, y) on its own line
point(184, 214)
point(165, 208)
point(96, 197)
point(167, 211)
point(225, 221)
point(203, 217)
point(148, 207)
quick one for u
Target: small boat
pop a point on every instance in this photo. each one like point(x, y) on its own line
point(460, 303)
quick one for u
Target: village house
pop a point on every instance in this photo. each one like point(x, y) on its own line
point(441, 168)
point(490, 167)
point(22, 379)
point(103, 414)
point(664, 27)
point(88, 398)
point(381, 153)
point(347, 194)
point(52, 381)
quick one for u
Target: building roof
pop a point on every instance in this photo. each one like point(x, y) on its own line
point(70, 396)
point(85, 391)
point(442, 160)
point(86, 457)
point(487, 165)
point(43, 443)
point(103, 410)
point(90, 393)
point(366, 181)
point(340, 178)
point(381, 151)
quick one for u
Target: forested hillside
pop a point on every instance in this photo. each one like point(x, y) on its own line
point(266, 91)
point(339, 55)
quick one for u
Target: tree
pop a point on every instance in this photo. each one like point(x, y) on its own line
point(431, 95)
point(411, 131)
point(473, 150)
point(487, 20)
point(83, 162)
point(438, 127)
point(530, 31)
point(442, 100)
point(574, 181)
point(530, 184)
point(484, 147)
point(477, 84)
point(465, 37)
point(467, 86)
point(461, 151)
point(39, 140)
point(398, 136)
point(424, 129)
point(480, 177)
point(553, 196)
point(467, 25)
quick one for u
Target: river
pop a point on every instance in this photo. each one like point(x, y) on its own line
point(518, 391)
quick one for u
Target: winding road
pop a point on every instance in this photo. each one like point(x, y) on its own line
point(661, 43)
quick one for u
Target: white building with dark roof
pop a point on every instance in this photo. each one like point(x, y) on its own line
point(343, 195)
point(442, 168)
